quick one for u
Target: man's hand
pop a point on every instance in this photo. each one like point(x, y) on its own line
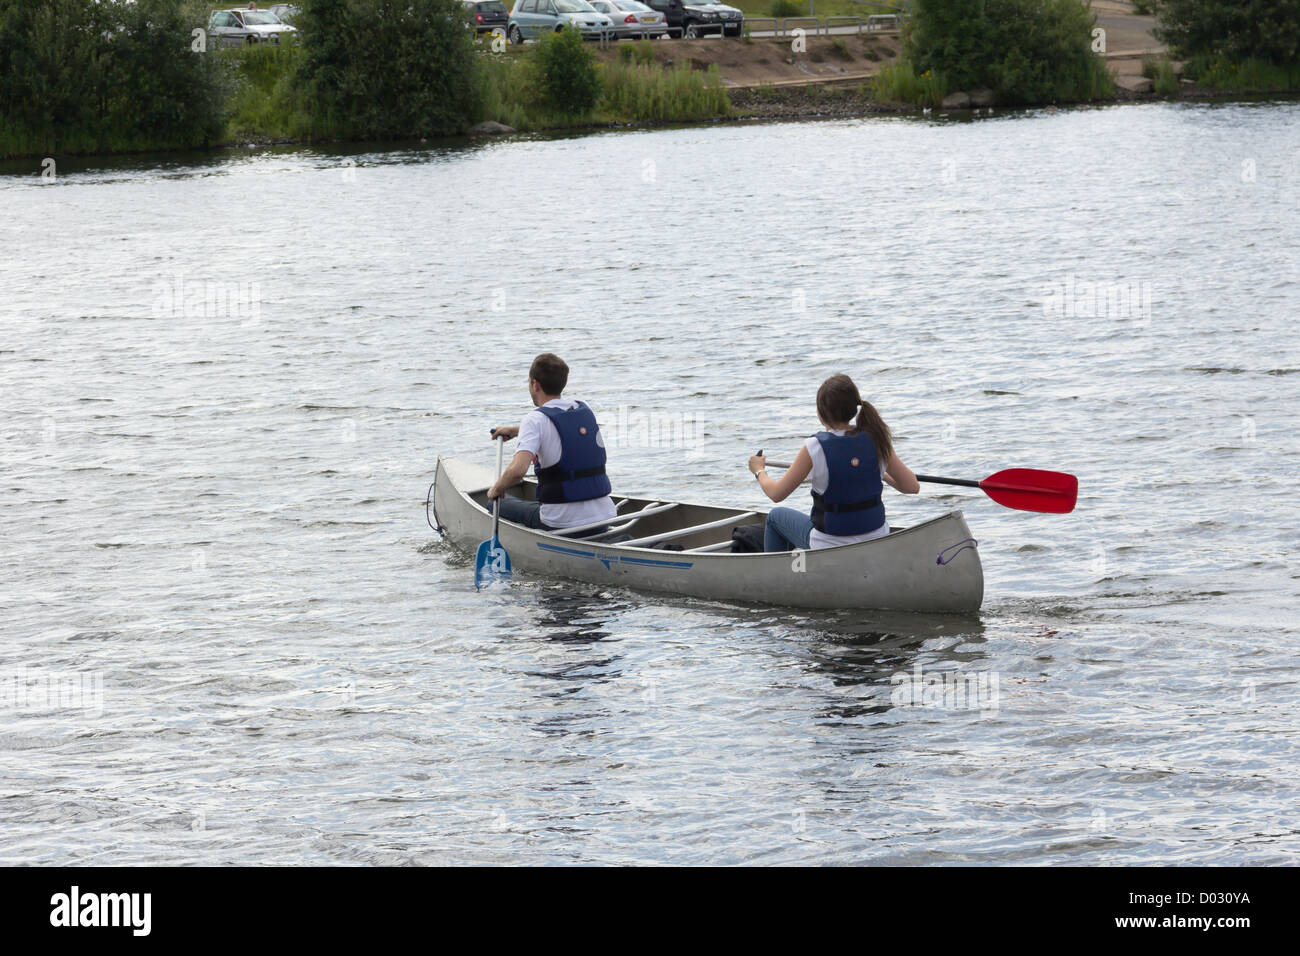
point(507, 432)
point(496, 492)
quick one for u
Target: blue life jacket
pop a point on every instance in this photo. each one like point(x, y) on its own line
point(579, 475)
point(851, 504)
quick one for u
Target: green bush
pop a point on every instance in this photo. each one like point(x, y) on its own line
point(1026, 51)
point(375, 69)
point(262, 102)
point(898, 82)
point(1166, 79)
point(1232, 31)
point(639, 93)
point(786, 8)
point(566, 71)
point(1160, 70)
point(81, 76)
point(642, 52)
point(1245, 75)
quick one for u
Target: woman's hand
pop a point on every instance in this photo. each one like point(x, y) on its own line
point(757, 463)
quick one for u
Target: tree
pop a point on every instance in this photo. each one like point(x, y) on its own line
point(387, 68)
point(567, 71)
point(1026, 51)
point(1235, 30)
point(82, 75)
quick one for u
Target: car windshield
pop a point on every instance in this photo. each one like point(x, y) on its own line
point(574, 6)
point(632, 6)
point(260, 18)
point(493, 6)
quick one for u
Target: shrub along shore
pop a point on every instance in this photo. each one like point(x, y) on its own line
point(103, 76)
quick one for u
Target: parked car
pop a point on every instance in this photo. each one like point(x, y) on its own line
point(487, 15)
point(532, 18)
point(708, 16)
point(632, 18)
point(285, 11)
point(235, 27)
point(674, 12)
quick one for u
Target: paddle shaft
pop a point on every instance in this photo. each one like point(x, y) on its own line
point(966, 482)
point(496, 502)
point(940, 481)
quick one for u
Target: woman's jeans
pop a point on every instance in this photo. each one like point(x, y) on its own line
point(787, 529)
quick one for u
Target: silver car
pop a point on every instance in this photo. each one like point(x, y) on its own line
point(236, 27)
point(632, 18)
point(285, 11)
point(531, 18)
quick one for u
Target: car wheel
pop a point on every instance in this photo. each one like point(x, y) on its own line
point(513, 34)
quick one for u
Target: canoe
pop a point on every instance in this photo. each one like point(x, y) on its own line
point(931, 566)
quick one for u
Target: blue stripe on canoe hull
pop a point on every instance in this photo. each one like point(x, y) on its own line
point(607, 560)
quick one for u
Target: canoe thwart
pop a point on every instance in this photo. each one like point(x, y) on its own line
point(686, 532)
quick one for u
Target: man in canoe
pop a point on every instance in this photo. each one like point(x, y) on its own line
point(849, 463)
point(561, 440)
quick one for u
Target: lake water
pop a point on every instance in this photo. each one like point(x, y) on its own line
point(226, 379)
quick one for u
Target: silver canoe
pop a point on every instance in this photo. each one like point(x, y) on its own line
point(931, 566)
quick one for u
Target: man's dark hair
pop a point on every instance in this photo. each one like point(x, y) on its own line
point(550, 372)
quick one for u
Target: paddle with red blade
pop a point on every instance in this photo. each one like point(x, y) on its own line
point(1028, 489)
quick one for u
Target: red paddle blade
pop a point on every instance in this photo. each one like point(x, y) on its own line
point(1029, 489)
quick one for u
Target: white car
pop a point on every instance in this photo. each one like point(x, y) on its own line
point(632, 18)
point(237, 27)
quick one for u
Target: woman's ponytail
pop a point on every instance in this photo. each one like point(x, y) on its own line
point(869, 421)
point(838, 400)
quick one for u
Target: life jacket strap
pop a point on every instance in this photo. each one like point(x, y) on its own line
point(842, 508)
point(554, 473)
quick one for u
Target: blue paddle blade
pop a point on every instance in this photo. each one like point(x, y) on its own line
point(491, 564)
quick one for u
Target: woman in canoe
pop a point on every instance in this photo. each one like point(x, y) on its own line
point(849, 463)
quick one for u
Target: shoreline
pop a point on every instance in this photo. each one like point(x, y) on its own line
point(811, 101)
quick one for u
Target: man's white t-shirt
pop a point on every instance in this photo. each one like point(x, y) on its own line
point(821, 477)
point(539, 437)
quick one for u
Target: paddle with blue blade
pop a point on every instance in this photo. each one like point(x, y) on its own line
point(1026, 489)
point(492, 563)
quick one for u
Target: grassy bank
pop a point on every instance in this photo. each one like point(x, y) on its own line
point(1247, 76)
point(263, 104)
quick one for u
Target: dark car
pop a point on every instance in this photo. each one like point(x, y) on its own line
point(487, 15)
point(709, 16)
point(674, 12)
